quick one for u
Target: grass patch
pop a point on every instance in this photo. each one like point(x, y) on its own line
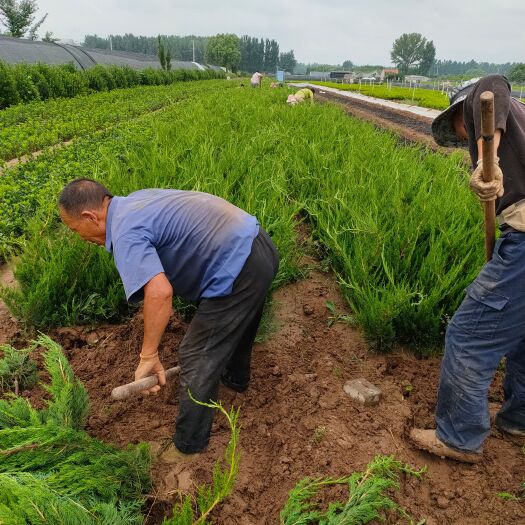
point(427, 98)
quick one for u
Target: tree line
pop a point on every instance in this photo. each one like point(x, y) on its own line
point(180, 47)
point(453, 67)
point(247, 53)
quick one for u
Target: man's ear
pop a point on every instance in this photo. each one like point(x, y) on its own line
point(89, 215)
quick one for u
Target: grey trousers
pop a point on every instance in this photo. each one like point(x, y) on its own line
point(219, 343)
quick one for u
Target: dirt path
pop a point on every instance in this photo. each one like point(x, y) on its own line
point(297, 421)
point(8, 326)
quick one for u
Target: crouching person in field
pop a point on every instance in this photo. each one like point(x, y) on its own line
point(303, 95)
point(201, 248)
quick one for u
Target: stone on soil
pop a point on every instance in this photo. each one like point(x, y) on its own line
point(363, 391)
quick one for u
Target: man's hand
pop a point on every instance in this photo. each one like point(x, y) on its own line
point(487, 191)
point(150, 365)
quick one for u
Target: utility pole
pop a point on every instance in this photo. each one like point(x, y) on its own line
point(193, 44)
point(110, 43)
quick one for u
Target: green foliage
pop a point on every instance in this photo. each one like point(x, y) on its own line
point(517, 73)
point(8, 87)
point(57, 267)
point(195, 510)
point(41, 81)
point(224, 50)
point(26, 88)
point(51, 468)
point(287, 61)
point(398, 223)
point(18, 15)
point(70, 404)
point(413, 51)
point(368, 496)
point(257, 54)
point(424, 97)
point(161, 53)
point(17, 369)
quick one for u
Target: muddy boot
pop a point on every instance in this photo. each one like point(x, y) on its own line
point(516, 434)
point(167, 452)
point(427, 440)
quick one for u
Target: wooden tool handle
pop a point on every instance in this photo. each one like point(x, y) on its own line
point(124, 391)
point(487, 134)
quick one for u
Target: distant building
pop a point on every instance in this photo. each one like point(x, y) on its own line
point(319, 74)
point(416, 79)
point(389, 73)
point(21, 51)
point(338, 75)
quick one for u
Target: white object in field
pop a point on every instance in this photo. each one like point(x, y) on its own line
point(124, 391)
point(363, 391)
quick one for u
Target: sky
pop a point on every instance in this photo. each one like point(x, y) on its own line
point(325, 31)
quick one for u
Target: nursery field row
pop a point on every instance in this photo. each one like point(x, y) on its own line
point(417, 96)
point(30, 127)
point(397, 223)
point(32, 187)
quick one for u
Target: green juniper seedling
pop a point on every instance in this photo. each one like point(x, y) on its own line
point(17, 369)
point(398, 224)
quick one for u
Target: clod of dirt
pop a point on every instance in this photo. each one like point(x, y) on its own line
point(308, 309)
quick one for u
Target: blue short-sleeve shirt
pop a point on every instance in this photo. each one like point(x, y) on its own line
point(199, 241)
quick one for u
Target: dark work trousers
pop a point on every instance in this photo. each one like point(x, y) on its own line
point(219, 343)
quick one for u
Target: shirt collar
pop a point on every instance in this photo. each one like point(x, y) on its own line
point(112, 206)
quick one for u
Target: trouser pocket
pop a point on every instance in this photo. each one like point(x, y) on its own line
point(481, 311)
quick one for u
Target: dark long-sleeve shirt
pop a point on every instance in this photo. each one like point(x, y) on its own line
point(509, 115)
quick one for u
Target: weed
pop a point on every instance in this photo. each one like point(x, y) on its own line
point(337, 371)
point(319, 435)
point(507, 496)
point(337, 317)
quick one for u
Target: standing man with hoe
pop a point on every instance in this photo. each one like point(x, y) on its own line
point(490, 323)
point(201, 248)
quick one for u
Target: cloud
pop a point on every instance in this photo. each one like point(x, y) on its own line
point(318, 30)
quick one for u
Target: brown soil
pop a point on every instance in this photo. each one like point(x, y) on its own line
point(410, 127)
point(8, 326)
point(296, 420)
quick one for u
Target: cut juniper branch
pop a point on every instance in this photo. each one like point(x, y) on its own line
point(367, 496)
point(195, 510)
point(53, 471)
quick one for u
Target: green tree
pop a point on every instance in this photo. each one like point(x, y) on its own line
point(161, 52)
point(17, 17)
point(49, 37)
point(168, 60)
point(517, 73)
point(413, 51)
point(287, 61)
point(348, 65)
point(224, 50)
point(427, 58)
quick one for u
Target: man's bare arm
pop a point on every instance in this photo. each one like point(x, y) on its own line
point(158, 295)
